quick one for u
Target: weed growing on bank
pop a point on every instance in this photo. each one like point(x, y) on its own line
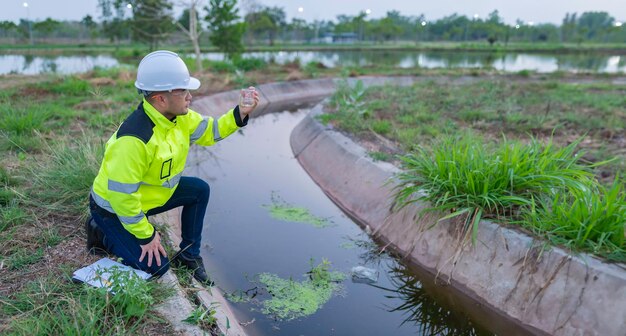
point(202, 317)
point(541, 187)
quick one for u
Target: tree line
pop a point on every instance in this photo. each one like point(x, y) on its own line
point(153, 22)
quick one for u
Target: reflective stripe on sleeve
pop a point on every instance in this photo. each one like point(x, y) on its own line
point(101, 202)
point(126, 188)
point(132, 219)
point(104, 204)
point(216, 131)
point(199, 130)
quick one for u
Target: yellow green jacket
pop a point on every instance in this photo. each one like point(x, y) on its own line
point(145, 158)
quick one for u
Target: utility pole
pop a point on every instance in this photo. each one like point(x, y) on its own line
point(30, 28)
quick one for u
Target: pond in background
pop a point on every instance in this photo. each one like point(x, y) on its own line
point(511, 62)
point(65, 65)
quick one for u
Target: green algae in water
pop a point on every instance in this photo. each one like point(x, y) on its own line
point(281, 210)
point(292, 299)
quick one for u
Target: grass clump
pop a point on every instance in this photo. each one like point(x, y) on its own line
point(590, 220)
point(132, 294)
point(545, 185)
point(20, 127)
point(22, 120)
point(465, 174)
point(23, 258)
point(64, 180)
point(69, 86)
point(249, 64)
point(202, 317)
point(11, 213)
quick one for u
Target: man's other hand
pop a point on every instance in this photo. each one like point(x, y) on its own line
point(153, 249)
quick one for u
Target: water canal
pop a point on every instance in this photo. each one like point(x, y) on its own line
point(251, 174)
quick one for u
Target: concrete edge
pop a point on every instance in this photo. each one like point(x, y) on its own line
point(226, 321)
point(177, 308)
point(544, 289)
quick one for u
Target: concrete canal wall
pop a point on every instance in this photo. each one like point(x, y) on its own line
point(542, 288)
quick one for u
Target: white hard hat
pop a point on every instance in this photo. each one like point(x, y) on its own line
point(163, 70)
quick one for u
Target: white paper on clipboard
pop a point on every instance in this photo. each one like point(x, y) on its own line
point(98, 273)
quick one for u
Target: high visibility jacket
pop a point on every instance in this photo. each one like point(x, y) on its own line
point(144, 160)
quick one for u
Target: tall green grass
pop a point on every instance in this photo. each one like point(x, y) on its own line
point(591, 220)
point(69, 86)
point(11, 212)
point(542, 187)
point(22, 120)
point(56, 306)
point(63, 181)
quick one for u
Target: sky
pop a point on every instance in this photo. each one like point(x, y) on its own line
point(538, 11)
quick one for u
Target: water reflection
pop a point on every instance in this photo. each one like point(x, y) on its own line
point(511, 62)
point(33, 65)
point(428, 315)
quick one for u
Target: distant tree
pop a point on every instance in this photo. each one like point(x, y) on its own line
point(388, 27)
point(594, 24)
point(188, 23)
point(114, 24)
point(346, 23)
point(152, 21)
point(300, 30)
point(89, 25)
point(226, 29)
point(266, 21)
point(360, 24)
point(494, 28)
point(452, 27)
point(24, 29)
point(7, 27)
point(568, 27)
point(46, 27)
point(184, 19)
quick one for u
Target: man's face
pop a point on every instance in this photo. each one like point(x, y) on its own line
point(178, 102)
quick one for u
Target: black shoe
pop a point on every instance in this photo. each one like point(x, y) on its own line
point(95, 237)
point(196, 265)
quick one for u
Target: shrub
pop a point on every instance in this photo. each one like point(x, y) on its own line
point(248, 64)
